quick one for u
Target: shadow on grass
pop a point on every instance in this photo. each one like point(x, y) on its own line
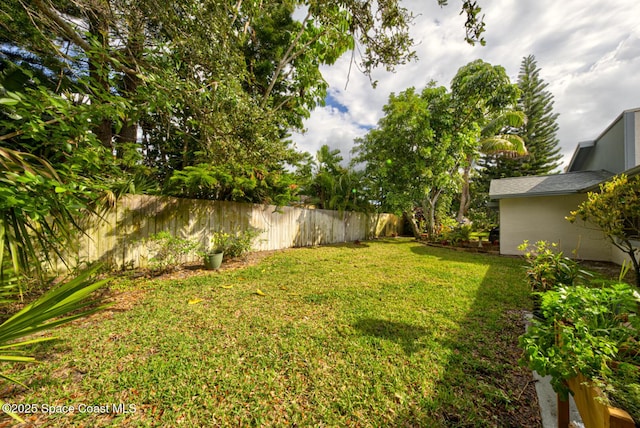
point(405, 335)
point(482, 383)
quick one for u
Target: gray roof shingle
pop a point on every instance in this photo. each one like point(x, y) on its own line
point(546, 185)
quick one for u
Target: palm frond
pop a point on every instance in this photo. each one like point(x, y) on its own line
point(504, 144)
point(505, 121)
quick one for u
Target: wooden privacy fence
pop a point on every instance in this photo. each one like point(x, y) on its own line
point(119, 239)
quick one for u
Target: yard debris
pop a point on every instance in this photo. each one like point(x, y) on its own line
point(259, 292)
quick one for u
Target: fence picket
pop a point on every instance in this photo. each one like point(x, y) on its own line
point(119, 238)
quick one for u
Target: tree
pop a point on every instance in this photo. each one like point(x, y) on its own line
point(484, 100)
point(207, 82)
point(329, 185)
point(53, 169)
point(412, 156)
point(539, 131)
point(614, 210)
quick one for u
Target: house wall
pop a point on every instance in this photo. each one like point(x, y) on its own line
point(543, 219)
point(609, 151)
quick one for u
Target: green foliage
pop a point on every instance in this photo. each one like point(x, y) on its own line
point(484, 102)
point(622, 387)
point(583, 331)
point(549, 268)
point(538, 132)
point(168, 251)
point(244, 183)
point(219, 241)
point(54, 169)
point(206, 82)
point(328, 185)
point(412, 157)
point(614, 210)
point(233, 244)
point(482, 219)
point(60, 305)
point(460, 233)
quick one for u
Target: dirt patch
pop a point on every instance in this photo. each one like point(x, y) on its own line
point(123, 300)
point(608, 270)
point(524, 411)
point(467, 246)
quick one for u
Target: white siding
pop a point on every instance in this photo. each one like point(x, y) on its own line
point(543, 219)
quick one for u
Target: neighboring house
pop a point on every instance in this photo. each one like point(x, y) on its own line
point(534, 208)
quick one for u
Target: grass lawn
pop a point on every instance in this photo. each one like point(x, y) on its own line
point(384, 333)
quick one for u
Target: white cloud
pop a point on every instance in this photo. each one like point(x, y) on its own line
point(588, 52)
point(332, 127)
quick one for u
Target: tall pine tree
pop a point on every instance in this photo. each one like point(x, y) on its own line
point(541, 128)
point(539, 132)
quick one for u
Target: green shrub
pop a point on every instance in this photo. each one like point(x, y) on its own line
point(549, 268)
point(623, 387)
point(459, 234)
point(234, 245)
point(168, 250)
point(483, 219)
point(583, 331)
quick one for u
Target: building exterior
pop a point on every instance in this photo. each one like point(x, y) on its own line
point(534, 208)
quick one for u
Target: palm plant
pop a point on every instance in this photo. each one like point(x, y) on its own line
point(37, 212)
point(498, 138)
point(59, 305)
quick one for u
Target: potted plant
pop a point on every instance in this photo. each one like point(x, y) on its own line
point(219, 242)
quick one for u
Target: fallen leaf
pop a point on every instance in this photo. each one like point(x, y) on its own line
point(194, 301)
point(259, 292)
point(226, 286)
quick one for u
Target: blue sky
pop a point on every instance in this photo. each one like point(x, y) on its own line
point(588, 51)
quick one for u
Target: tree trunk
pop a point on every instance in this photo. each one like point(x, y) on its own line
point(99, 27)
point(636, 265)
point(128, 135)
point(465, 197)
point(430, 208)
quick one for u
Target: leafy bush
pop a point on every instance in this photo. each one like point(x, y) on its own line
point(220, 241)
point(459, 234)
point(614, 209)
point(483, 218)
point(623, 387)
point(584, 331)
point(549, 268)
point(168, 250)
point(233, 245)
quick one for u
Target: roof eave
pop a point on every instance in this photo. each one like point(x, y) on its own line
point(579, 153)
point(535, 194)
